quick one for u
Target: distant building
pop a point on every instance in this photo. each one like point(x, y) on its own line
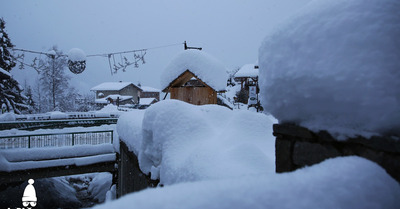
point(146, 102)
point(117, 93)
point(247, 76)
point(150, 92)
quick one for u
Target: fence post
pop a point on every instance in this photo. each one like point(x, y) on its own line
point(29, 141)
point(73, 139)
point(112, 136)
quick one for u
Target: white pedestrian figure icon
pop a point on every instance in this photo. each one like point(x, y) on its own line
point(29, 197)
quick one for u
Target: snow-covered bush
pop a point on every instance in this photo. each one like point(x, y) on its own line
point(335, 66)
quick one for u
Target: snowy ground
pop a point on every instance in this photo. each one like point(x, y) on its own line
point(212, 157)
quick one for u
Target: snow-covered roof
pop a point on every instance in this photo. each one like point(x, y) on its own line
point(149, 89)
point(147, 101)
point(116, 96)
point(113, 97)
point(205, 67)
point(335, 66)
point(248, 70)
point(112, 86)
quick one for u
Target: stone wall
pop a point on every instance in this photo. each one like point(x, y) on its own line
point(296, 147)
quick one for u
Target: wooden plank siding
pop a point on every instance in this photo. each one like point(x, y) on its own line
point(194, 95)
point(197, 95)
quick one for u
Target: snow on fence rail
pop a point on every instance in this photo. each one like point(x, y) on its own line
point(56, 139)
point(56, 123)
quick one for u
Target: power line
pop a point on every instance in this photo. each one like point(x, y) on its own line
point(138, 55)
point(101, 55)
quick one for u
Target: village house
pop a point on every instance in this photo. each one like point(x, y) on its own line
point(195, 77)
point(247, 76)
point(149, 92)
point(117, 93)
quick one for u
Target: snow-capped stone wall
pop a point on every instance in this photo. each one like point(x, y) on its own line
point(296, 147)
point(335, 66)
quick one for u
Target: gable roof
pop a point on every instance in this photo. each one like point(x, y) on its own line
point(185, 77)
point(205, 67)
point(112, 86)
point(113, 97)
point(149, 89)
point(248, 70)
point(147, 101)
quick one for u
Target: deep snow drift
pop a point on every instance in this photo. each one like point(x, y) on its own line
point(180, 142)
point(335, 66)
point(212, 157)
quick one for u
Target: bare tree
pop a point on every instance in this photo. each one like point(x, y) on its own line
point(53, 80)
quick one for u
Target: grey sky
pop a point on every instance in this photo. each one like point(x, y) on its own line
point(229, 30)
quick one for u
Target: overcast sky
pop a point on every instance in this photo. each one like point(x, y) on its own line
point(229, 30)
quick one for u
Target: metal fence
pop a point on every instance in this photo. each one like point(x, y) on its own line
point(56, 139)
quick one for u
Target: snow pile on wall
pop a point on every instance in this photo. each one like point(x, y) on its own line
point(129, 128)
point(335, 66)
point(204, 66)
point(348, 182)
point(8, 116)
point(57, 115)
point(184, 142)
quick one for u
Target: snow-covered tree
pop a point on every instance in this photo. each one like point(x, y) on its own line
point(30, 101)
point(54, 81)
point(10, 90)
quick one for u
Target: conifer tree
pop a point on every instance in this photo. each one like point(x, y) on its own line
point(10, 90)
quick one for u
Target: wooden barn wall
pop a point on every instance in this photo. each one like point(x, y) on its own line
point(130, 177)
point(194, 95)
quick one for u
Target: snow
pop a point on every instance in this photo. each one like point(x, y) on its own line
point(76, 54)
point(108, 110)
point(112, 86)
point(22, 159)
point(52, 52)
point(147, 101)
point(8, 116)
point(184, 142)
point(100, 185)
point(64, 130)
point(204, 66)
point(335, 66)
point(129, 129)
point(345, 182)
point(114, 97)
point(247, 70)
point(57, 115)
point(149, 89)
point(5, 72)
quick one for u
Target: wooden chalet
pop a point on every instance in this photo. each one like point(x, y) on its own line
point(189, 88)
